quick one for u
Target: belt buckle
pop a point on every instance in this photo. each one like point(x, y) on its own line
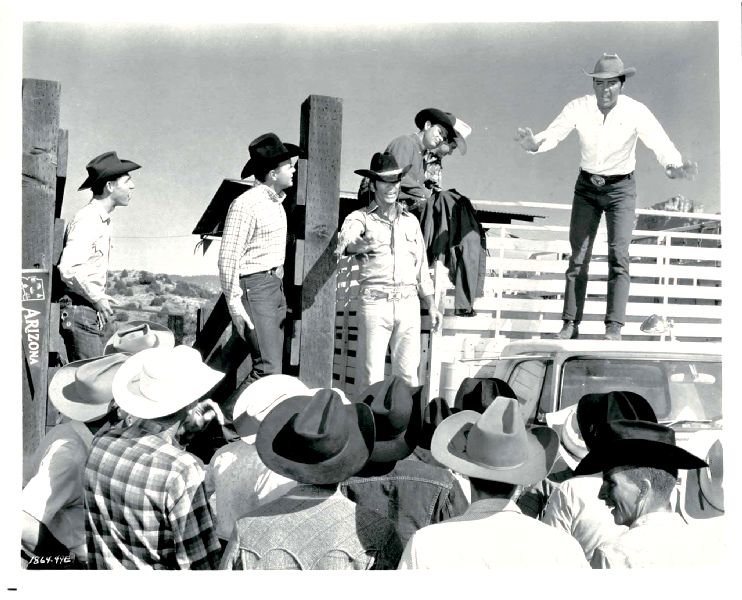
point(597, 180)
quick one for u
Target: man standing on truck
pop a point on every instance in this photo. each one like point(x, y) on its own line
point(608, 124)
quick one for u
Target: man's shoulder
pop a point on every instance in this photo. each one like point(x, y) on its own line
point(422, 472)
point(408, 139)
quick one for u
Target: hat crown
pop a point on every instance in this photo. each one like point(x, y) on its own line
point(384, 163)
point(478, 393)
point(498, 439)
point(392, 408)
point(634, 429)
point(593, 410)
point(266, 146)
point(107, 166)
point(94, 380)
point(162, 373)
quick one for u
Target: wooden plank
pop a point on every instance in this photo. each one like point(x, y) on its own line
point(62, 151)
point(40, 113)
point(321, 128)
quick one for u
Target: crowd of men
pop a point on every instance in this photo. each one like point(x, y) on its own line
point(313, 479)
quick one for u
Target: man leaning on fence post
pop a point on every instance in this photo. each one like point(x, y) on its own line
point(393, 275)
point(608, 124)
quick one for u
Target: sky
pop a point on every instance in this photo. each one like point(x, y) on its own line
point(184, 100)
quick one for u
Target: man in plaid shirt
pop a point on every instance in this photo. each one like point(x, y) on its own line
point(252, 253)
point(146, 505)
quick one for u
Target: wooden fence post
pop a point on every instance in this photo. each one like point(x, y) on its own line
point(40, 101)
point(321, 129)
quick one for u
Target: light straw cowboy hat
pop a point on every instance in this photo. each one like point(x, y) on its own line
point(564, 422)
point(610, 66)
point(496, 445)
point(139, 335)
point(160, 381)
point(461, 132)
point(82, 390)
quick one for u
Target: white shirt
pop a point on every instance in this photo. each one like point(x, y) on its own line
point(237, 482)
point(608, 144)
point(660, 539)
point(491, 534)
point(574, 507)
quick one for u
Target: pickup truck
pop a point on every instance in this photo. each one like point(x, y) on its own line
point(681, 380)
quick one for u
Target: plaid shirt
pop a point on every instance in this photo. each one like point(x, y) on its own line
point(145, 503)
point(254, 239)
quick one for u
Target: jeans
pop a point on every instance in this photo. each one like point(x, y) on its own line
point(617, 201)
point(80, 332)
point(386, 323)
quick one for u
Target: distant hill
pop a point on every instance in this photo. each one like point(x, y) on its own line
point(210, 282)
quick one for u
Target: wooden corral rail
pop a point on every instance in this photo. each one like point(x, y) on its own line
point(674, 274)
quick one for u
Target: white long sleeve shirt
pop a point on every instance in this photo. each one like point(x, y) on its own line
point(608, 144)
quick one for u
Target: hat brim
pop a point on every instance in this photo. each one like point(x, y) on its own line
point(541, 452)
point(627, 72)
point(253, 164)
point(125, 167)
point(194, 384)
point(162, 336)
point(338, 468)
point(460, 144)
point(637, 452)
point(61, 394)
point(375, 176)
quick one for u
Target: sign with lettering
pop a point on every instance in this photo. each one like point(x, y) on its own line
point(35, 288)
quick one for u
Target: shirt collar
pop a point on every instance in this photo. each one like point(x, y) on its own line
point(105, 216)
point(82, 430)
point(655, 518)
point(492, 506)
point(401, 206)
point(273, 196)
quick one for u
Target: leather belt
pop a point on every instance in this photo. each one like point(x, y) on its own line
point(396, 293)
point(277, 271)
point(601, 180)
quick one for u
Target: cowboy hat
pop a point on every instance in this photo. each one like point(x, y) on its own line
point(564, 422)
point(384, 167)
point(82, 390)
point(636, 443)
point(704, 491)
point(398, 414)
point(593, 410)
point(496, 445)
point(139, 335)
point(259, 398)
point(107, 166)
point(461, 132)
point(316, 439)
point(266, 152)
point(436, 411)
point(610, 66)
point(437, 117)
point(160, 381)
point(477, 393)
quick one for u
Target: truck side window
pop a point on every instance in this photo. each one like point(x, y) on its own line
point(530, 380)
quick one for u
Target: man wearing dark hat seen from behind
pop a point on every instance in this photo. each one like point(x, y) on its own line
point(609, 125)
point(317, 441)
point(252, 253)
point(393, 276)
point(83, 266)
point(640, 461)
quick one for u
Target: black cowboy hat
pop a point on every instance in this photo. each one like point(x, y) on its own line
point(636, 443)
point(267, 151)
point(384, 167)
point(593, 410)
point(316, 439)
point(398, 415)
point(436, 411)
point(477, 393)
point(437, 117)
point(107, 166)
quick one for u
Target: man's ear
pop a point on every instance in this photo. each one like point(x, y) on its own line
point(427, 125)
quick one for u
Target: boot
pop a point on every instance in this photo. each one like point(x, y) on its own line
point(612, 331)
point(570, 331)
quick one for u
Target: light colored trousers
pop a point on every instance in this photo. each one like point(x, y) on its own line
point(383, 324)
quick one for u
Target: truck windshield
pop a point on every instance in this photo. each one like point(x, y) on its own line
point(678, 390)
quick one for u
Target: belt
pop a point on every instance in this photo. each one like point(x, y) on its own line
point(397, 293)
point(601, 180)
point(277, 271)
point(75, 300)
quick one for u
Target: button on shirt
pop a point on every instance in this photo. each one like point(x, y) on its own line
point(254, 239)
point(146, 504)
point(54, 495)
point(492, 534)
point(312, 527)
point(83, 265)
point(659, 539)
point(399, 259)
point(608, 143)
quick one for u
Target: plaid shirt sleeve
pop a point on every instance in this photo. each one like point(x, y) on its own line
point(238, 228)
point(194, 535)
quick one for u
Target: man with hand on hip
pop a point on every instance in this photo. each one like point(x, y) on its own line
point(609, 124)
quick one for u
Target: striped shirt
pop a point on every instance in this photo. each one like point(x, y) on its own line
point(254, 239)
point(145, 503)
point(83, 265)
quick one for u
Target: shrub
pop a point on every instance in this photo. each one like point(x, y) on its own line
point(128, 292)
point(154, 287)
point(124, 273)
point(122, 316)
point(145, 277)
point(157, 301)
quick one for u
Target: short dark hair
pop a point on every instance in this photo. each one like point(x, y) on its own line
point(261, 173)
point(492, 488)
point(662, 480)
point(622, 78)
point(98, 187)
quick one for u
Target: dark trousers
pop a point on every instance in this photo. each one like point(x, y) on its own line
point(80, 332)
point(618, 202)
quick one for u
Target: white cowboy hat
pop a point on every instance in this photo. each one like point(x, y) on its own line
point(462, 131)
point(573, 448)
point(160, 381)
point(139, 335)
point(82, 390)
